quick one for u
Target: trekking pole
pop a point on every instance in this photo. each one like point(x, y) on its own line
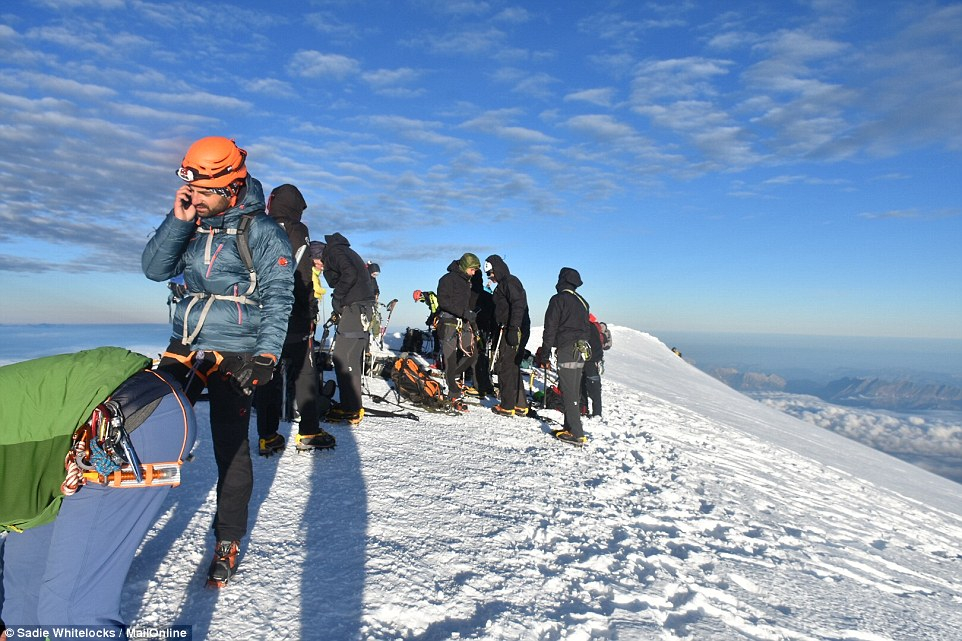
point(285, 415)
point(494, 355)
point(321, 311)
point(497, 345)
point(390, 310)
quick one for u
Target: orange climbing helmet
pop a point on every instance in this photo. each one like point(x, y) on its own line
point(214, 162)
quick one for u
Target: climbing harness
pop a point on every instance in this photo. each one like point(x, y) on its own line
point(243, 248)
point(103, 453)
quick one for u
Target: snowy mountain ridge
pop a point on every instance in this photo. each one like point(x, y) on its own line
point(901, 395)
point(694, 513)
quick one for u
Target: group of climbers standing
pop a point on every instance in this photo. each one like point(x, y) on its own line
point(243, 321)
point(568, 336)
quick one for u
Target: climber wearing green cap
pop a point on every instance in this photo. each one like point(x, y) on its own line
point(456, 324)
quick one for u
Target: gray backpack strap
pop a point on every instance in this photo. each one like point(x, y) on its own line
point(578, 296)
point(244, 249)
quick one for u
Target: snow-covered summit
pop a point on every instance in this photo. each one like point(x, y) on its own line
point(694, 513)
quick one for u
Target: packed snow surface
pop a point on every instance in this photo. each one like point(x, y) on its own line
point(694, 513)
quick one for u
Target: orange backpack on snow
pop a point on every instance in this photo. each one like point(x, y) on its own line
point(413, 383)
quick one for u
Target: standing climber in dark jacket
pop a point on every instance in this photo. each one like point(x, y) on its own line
point(352, 304)
point(566, 328)
point(511, 317)
point(482, 300)
point(456, 322)
point(286, 205)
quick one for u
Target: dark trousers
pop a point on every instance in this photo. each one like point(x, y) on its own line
point(591, 388)
point(510, 388)
point(458, 352)
point(570, 370)
point(229, 426)
point(350, 341)
point(482, 368)
point(297, 362)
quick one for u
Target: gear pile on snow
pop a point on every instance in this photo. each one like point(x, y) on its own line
point(414, 384)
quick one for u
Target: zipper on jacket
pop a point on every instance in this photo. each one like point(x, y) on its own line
point(240, 309)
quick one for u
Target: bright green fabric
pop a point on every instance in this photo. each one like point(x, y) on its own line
point(42, 402)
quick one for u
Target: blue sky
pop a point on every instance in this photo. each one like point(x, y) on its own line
point(787, 167)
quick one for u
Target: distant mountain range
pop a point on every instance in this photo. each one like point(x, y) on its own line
point(873, 393)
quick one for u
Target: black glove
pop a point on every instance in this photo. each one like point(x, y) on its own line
point(543, 357)
point(333, 320)
point(470, 315)
point(513, 337)
point(254, 372)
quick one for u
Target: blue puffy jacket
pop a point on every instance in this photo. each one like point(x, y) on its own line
point(211, 264)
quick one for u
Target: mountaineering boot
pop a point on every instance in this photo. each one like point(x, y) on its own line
point(320, 441)
point(568, 437)
point(497, 409)
point(336, 413)
point(341, 415)
point(224, 565)
point(271, 445)
point(521, 411)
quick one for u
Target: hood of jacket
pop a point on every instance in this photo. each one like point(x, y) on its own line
point(455, 267)
point(498, 266)
point(336, 239)
point(287, 203)
point(568, 278)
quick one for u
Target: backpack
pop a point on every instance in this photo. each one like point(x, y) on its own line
point(604, 333)
point(553, 399)
point(244, 247)
point(413, 383)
